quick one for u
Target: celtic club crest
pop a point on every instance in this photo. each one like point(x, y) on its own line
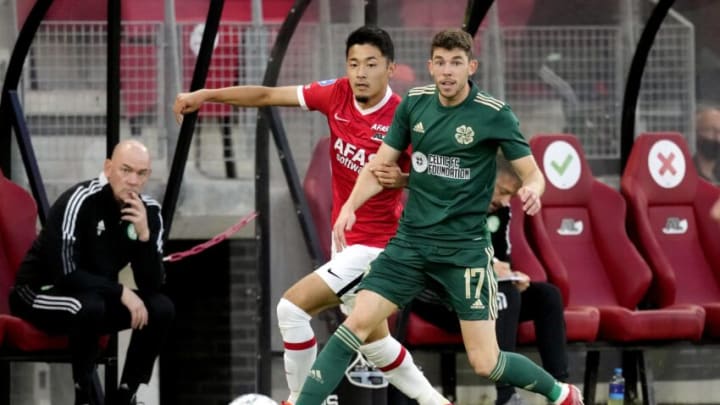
point(464, 134)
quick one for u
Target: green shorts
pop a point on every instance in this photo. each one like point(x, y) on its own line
point(465, 277)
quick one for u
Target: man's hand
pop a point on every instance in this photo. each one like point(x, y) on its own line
point(389, 175)
point(136, 306)
point(530, 199)
point(524, 281)
point(715, 212)
point(185, 103)
point(134, 212)
point(344, 222)
point(503, 270)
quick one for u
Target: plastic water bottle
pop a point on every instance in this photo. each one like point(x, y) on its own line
point(616, 389)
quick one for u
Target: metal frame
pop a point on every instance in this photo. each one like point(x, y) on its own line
point(634, 80)
point(202, 65)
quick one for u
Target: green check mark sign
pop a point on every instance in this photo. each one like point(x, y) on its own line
point(560, 168)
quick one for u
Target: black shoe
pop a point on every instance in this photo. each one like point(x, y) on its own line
point(124, 396)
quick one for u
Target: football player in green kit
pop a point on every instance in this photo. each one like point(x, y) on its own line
point(455, 131)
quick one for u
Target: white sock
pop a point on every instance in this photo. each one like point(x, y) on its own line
point(400, 370)
point(300, 345)
point(564, 392)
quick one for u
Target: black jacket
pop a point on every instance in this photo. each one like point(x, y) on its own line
point(84, 245)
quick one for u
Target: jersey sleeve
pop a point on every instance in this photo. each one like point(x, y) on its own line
point(317, 96)
point(398, 136)
point(512, 142)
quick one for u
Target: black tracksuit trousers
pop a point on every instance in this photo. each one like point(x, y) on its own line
point(86, 316)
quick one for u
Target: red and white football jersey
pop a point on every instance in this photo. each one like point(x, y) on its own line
point(355, 136)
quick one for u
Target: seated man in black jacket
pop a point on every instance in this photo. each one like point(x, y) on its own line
point(520, 299)
point(68, 282)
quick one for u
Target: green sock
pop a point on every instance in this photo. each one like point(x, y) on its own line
point(329, 367)
point(519, 371)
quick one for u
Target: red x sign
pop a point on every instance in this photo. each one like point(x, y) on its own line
point(666, 163)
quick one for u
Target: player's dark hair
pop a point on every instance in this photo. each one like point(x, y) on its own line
point(503, 166)
point(371, 35)
point(452, 39)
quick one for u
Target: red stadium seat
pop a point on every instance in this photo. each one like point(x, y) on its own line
point(19, 340)
point(670, 221)
point(580, 237)
point(581, 240)
point(581, 322)
point(18, 215)
point(317, 186)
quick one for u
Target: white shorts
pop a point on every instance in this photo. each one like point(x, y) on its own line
point(345, 270)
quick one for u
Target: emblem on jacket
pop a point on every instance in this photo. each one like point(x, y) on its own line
point(131, 232)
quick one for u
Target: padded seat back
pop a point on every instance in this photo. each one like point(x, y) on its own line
point(670, 219)
point(580, 231)
point(318, 192)
point(18, 216)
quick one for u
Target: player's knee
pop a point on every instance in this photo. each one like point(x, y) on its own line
point(360, 326)
point(483, 362)
point(290, 315)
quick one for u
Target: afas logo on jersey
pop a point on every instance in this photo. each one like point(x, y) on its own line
point(351, 156)
point(381, 131)
point(380, 128)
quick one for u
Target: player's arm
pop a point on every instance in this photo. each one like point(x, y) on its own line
point(366, 187)
point(240, 96)
point(533, 183)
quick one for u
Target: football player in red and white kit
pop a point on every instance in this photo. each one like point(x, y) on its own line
point(359, 109)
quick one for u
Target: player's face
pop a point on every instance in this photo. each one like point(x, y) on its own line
point(505, 187)
point(451, 68)
point(369, 73)
point(127, 172)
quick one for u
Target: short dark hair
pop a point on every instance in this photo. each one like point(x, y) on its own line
point(453, 39)
point(371, 35)
point(503, 166)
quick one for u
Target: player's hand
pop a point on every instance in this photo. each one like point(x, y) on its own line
point(389, 175)
point(715, 212)
point(530, 199)
point(136, 306)
point(344, 222)
point(134, 212)
point(185, 103)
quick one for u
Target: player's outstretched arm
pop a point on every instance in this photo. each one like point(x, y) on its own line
point(240, 96)
point(366, 186)
point(533, 183)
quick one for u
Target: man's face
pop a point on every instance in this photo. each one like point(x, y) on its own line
point(369, 73)
point(708, 134)
point(505, 187)
point(127, 172)
point(450, 70)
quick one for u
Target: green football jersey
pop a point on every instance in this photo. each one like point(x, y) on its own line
point(453, 164)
